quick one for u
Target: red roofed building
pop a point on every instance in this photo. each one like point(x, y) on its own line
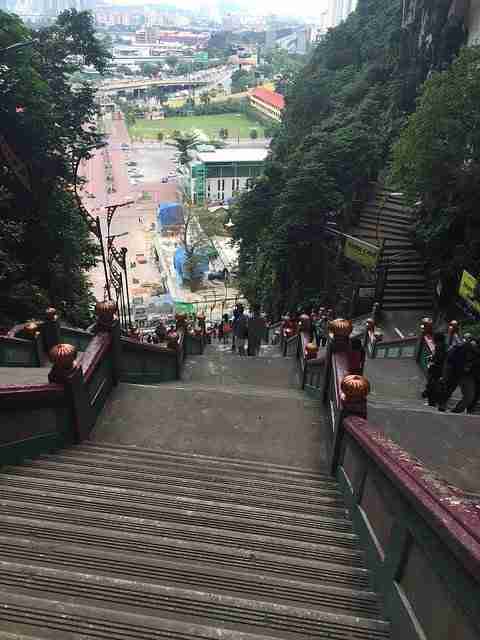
point(268, 103)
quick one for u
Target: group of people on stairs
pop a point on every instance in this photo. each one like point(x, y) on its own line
point(247, 331)
point(453, 365)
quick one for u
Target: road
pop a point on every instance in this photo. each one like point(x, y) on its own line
point(138, 220)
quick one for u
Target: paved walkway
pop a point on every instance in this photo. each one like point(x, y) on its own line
point(225, 406)
point(447, 443)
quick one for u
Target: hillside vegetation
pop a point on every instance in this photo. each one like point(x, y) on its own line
point(344, 112)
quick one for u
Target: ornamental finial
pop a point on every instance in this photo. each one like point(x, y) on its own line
point(355, 388)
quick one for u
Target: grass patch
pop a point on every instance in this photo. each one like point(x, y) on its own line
point(238, 125)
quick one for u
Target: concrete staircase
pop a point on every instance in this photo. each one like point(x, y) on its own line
point(110, 541)
point(386, 219)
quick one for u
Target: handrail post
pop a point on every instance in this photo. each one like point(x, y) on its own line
point(67, 372)
point(355, 390)
point(107, 322)
point(340, 341)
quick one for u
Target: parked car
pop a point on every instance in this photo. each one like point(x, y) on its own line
point(165, 179)
point(124, 145)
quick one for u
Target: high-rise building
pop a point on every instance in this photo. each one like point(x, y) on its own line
point(339, 10)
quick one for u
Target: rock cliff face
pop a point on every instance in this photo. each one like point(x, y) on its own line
point(434, 30)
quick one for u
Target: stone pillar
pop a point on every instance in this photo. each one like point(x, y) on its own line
point(67, 372)
point(107, 322)
point(51, 329)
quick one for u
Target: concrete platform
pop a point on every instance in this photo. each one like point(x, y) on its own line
point(227, 405)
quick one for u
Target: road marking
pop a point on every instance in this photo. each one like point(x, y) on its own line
point(399, 333)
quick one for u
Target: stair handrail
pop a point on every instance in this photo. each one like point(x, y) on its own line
point(448, 509)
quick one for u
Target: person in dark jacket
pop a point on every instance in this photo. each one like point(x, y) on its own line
point(457, 372)
point(435, 369)
point(240, 331)
point(357, 357)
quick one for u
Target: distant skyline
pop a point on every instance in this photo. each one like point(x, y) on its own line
point(303, 8)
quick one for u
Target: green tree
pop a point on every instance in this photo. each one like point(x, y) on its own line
point(183, 69)
point(172, 61)
point(129, 113)
point(345, 106)
point(437, 160)
point(223, 133)
point(148, 69)
point(160, 136)
point(49, 126)
point(253, 134)
point(184, 142)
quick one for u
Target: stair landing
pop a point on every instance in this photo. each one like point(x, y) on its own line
point(227, 406)
point(447, 443)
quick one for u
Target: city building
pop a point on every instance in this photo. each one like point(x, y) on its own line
point(291, 39)
point(339, 10)
point(268, 103)
point(217, 175)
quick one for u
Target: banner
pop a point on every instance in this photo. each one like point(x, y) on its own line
point(468, 290)
point(184, 307)
point(361, 253)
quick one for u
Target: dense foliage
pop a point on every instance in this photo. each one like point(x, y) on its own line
point(45, 247)
point(438, 158)
point(344, 110)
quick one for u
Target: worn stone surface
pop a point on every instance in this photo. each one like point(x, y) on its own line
point(447, 443)
point(225, 406)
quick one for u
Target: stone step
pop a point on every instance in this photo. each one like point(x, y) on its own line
point(198, 521)
point(25, 610)
point(391, 208)
point(180, 572)
point(285, 542)
point(384, 232)
point(203, 461)
point(406, 267)
point(109, 460)
point(401, 305)
point(148, 502)
point(385, 220)
point(401, 277)
point(345, 569)
point(394, 296)
point(100, 580)
point(175, 488)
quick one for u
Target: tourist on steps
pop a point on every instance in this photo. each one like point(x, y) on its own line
point(226, 328)
point(435, 370)
point(236, 313)
point(256, 331)
point(458, 372)
point(357, 357)
point(240, 330)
